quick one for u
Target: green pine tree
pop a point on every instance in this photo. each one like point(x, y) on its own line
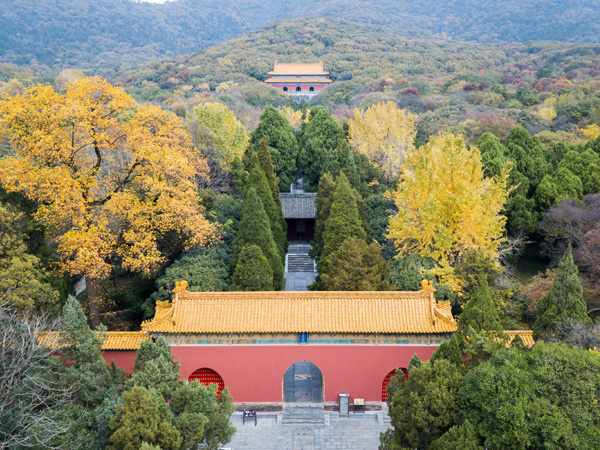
point(278, 134)
point(323, 206)
point(356, 266)
point(425, 406)
point(459, 437)
point(201, 417)
point(318, 141)
point(255, 229)
point(83, 354)
point(139, 420)
point(493, 154)
point(258, 180)
point(252, 272)
point(343, 222)
point(155, 368)
point(480, 312)
point(564, 301)
point(266, 164)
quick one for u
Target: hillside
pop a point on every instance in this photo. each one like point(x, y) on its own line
point(113, 35)
point(543, 86)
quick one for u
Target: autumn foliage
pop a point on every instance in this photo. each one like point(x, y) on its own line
point(446, 205)
point(385, 134)
point(109, 177)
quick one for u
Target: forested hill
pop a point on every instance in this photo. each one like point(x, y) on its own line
point(111, 35)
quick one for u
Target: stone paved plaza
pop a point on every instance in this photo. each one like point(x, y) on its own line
point(299, 281)
point(348, 433)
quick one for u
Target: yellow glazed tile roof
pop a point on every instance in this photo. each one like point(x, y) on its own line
point(298, 69)
point(297, 80)
point(310, 311)
point(526, 336)
point(116, 340)
point(124, 340)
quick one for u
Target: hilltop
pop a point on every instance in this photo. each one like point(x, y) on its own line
point(453, 86)
point(112, 35)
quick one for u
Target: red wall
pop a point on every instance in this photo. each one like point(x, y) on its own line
point(122, 358)
point(305, 87)
point(255, 373)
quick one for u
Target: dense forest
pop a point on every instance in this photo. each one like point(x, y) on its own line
point(435, 154)
point(548, 88)
point(113, 35)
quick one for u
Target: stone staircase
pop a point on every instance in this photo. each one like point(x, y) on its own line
point(298, 262)
point(304, 416)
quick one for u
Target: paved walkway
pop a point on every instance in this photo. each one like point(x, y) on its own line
point(297, 277)
point(353, 433)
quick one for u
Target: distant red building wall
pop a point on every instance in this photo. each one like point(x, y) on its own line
point(304, 87)
point(122, 358)
point(255, 373)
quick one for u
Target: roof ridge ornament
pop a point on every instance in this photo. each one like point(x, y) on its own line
point(427, 285)
point(180, 286)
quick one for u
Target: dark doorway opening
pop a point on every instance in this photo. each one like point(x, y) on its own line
point(298, 88)
point(301, 229)
point(285, 89)
point(303, 383)
point(312, 89)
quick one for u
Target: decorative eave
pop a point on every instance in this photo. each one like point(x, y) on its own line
point(298, 80)
point(298, 69)
point(392, 312)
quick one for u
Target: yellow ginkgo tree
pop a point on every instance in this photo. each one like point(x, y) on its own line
point(446, 205)
point(385, 133)
point(109, 177)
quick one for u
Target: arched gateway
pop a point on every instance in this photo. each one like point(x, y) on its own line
point(303, 383)
point(386, 382)
point(206, 376)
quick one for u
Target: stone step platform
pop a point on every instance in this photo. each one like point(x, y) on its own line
point(304, 416)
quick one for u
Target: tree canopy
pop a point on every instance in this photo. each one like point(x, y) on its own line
point(446, 205)
point(109, 177)
point(385, 134)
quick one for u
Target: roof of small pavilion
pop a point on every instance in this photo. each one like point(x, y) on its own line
point(392, 312)
point(526, 336)
point(298, 206)
point(298, 69)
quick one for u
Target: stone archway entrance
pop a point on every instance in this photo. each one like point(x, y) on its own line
point(303, 383)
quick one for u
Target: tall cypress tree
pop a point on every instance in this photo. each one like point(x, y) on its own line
point(266, 164)
point(480, 311)
point(323, 204)
point(564, 301)
point(318, 141)
point(83, 353)
point(255, 229)
point(258, 180)
point(344, 220)
point(282, 145)
point(253, 272)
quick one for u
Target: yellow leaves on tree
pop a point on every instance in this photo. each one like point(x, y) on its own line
point(446, 205)
point(385, 134)
point(229, 134)
point(591, 132)
point(110, 177)
point(294, 118)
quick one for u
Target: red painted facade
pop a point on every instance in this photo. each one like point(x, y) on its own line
point(304, 87)
point(255, 373)
point(122, 358)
